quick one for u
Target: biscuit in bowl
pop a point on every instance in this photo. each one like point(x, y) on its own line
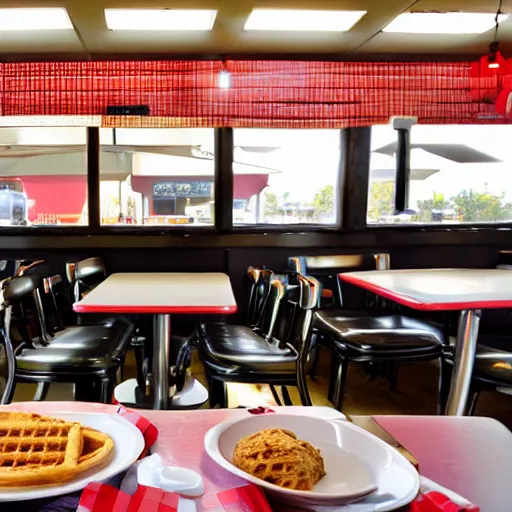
point(278, 457)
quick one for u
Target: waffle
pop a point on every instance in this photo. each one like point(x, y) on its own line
point(278, 457)
point(36, 450)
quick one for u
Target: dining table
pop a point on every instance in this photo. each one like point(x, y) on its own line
point(472, 456)
point(468, 291)
point(161, 294)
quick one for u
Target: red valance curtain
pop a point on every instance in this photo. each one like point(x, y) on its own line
point(276, 94)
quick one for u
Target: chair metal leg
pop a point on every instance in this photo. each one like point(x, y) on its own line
point(42, 391)
point(223, 394)
point(212, 399)
point(218, 393)
point(341, 381)
point(374, 371)
point(106, 389)
point(303, 385)
point(139, 364)
point(393, 370)
point(470, 411)
point(335, 362)
point(315, 352)
point(275, 394)
point(286, 396)
point(445, 378)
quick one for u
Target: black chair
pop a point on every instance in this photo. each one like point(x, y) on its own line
point(8, 268)
point(91, 365)
point(366, 328)
point(492, 372)
point(275, 352)
point(259, 287)
point(84, 276)
point(7, 363)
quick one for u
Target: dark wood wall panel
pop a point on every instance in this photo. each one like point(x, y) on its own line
point(235, 261)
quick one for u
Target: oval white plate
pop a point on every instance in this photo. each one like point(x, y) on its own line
point(344, 446)
point(128, 445)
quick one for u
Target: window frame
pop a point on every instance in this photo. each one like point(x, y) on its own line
point(352, 189)
point(402, 180)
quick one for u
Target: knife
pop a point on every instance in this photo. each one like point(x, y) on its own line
point(370, 425)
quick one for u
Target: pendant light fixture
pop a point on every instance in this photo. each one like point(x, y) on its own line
point(495, 60)
point(491, 65)
point(224, 77)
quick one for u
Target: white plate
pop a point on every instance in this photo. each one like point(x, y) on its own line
point(128, 445)
point(344, 446)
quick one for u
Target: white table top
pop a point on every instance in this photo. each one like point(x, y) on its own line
point(161, 293)
point(439, 289)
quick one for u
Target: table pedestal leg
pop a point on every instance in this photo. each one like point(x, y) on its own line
point(161, 353)
point(465, 349)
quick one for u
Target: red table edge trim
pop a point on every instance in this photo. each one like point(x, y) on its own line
point(405, 300)
point(154, 310)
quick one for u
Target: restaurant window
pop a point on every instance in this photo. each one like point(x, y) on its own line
point(458, 175)
point(285, 176)
point(43, 176)
point(156, 177)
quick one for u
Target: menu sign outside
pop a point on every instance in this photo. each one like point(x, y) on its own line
point(183, 189)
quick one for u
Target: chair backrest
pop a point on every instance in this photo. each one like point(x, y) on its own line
point(56, 304)
point(293, 324)
point(259, 287)
point(23, 294)
point(327, 267)
point(88, 274)
point(7, 268)
point(33, 268)
point(271, 308)
point(7, 358)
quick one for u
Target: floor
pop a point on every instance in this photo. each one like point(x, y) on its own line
point(416, 392)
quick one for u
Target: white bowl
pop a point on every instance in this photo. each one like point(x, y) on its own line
point(354, 459)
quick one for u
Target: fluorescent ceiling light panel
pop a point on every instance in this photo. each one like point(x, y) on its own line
point(35, 19)
point(302, 20)
point(443, 23)
point(160, 19)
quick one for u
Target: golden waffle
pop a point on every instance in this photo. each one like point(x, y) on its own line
point(37, 450)
point(278, 457)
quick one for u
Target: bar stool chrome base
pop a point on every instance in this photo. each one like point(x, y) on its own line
point(193, 395)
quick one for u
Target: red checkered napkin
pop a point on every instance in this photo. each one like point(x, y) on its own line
point(105, 498)
point(435, 498)
point(248, 498)
point(98, 497)
point(149, 431)
point(437, 502)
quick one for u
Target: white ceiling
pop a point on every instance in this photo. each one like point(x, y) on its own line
point(92, 39)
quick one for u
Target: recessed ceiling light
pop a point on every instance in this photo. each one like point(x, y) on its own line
point(35, 19)
point(443, 23)
point(302, 20)
point(160, 19)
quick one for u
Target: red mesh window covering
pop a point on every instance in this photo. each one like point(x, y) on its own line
point(263, 93)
